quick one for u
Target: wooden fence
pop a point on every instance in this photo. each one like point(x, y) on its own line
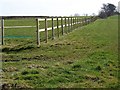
point(66, 24)
point(70, 23)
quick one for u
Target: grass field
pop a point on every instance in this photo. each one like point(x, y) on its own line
point(13, 36)
point(85, 58)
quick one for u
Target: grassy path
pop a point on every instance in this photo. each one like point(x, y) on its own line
point(85, 58)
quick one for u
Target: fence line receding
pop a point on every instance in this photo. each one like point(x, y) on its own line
point(59, 26)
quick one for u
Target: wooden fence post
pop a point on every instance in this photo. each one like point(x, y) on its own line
point(65, 25)
point(46, 31)
point(38, 35)
point(58, 26)
point(74, 23)
point(82, 22)
point(53, 29)
point(77, 23)
point(62, 25)
point(71, 23)
point(68, 24)
point(2, 31)
point(90, 19)
point(85, 21)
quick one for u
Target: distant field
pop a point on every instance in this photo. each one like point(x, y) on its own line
point(85, 58)
point(12, 34)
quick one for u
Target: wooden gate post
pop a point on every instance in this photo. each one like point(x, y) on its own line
point(2, 31)
point(46, 31)
point(38, 35)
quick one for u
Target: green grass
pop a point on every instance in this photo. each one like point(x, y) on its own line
point(84, 58)
point(12, 35)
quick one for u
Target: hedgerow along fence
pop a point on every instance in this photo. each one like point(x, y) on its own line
point(52, 27)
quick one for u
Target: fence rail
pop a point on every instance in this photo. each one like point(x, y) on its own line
point(70, 23)
point(59, 25)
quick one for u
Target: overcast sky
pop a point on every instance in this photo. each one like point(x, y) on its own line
point(51, 7)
